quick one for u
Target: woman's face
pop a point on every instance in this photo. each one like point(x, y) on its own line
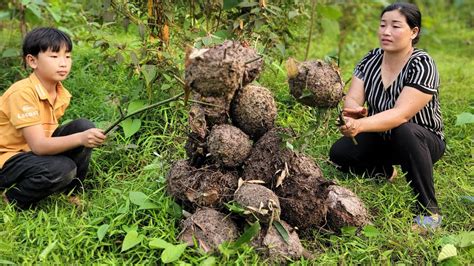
point(394, 32)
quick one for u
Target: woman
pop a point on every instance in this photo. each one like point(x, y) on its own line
point(402, 124)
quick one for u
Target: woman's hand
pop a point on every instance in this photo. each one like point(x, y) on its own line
point(351, 127)
point(356, 113)
point(92, 138)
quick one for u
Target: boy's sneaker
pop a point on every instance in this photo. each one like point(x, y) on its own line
point(428, 222)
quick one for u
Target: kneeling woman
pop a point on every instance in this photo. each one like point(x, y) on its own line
point(402, 124)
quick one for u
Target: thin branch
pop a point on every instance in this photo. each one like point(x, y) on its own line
point(172, 99)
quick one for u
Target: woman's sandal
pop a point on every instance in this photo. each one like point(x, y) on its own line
point(428, 222)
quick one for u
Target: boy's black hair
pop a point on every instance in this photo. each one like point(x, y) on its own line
point(42, 39)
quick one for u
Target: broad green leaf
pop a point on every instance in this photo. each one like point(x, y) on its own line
point(6, 262)
point(175, 210)
point(158, 243)
point(248, 234)
point(464, 118)
point(206, 40)
point(131, 239)
point(447, 251)
point(140, 199)
point(349, 230)
point(148, 205)
point(289, 146)
point(465, 239)
point(137, 197)
point(282, 231)
point(10, 52)
point(370, 231)
point(35, 10)
point(134, 58)
point(228, 4)
point(130, 127)
point(48, 249)
point(102, 231)
point(173, 253)
point(149, 72)
point(134, 106)
point(210, 261)
point(53, 13)
point(127, 228)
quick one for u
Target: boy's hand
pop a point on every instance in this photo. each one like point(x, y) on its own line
point(93, 137)
point(355, 113)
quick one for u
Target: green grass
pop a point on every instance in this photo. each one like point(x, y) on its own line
point(58, 232)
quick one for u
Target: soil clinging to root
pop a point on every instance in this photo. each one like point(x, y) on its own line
point(317, 84)
point(203, 187)
point(228, 145)
point(271, 244)
point(267, 157)
point(209, 228)
point(220, 70)
point(260, 201)
point(302, 194)
point(254, 110)
point(345, 208)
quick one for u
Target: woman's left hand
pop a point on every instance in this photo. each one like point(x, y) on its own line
point(351, 127)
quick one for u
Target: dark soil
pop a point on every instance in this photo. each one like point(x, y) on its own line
point(209, 228)
point(345, 209)
point(267, 157)
point(215, 110)
point(228, 145)
point(203, 187)
point(260, 201)
point(254, 110)
point(302, 194)
point(317, 84)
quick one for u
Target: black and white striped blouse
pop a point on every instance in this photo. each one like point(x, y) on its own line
point(419, 72)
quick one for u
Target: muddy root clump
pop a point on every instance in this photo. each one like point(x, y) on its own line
point(316, 84)
point(302, 194)
point(267, 157)
point(203, 187)
point(345, 209)
point(209, 228)
point(259, 201)
point(254, 110)
point(271, 244)
point(228, 145)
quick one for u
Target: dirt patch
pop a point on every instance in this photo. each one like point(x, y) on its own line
point(254, 110)
point(209, 228)
point(260, 201)
point(345, 208)
point(228, 145)
point(317, 84)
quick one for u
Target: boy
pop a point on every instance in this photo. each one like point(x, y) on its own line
point(38, 158)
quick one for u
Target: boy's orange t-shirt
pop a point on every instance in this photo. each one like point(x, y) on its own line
point(26, 103)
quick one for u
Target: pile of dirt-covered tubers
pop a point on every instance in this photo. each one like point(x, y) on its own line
point(237, 160)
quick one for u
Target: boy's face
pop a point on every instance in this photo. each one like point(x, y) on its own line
point(51, 66)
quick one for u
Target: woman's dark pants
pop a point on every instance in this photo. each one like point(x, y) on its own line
point(413, 147)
